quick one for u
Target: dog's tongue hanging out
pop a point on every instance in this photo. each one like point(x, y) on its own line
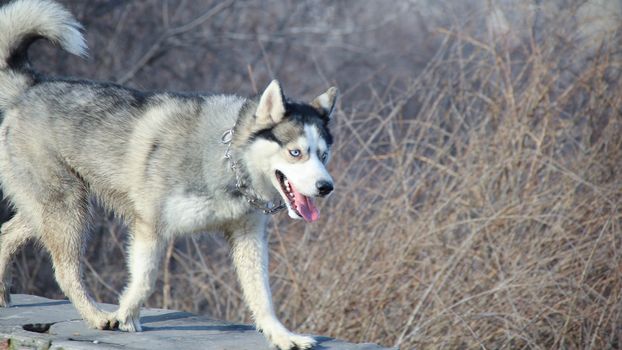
point(305, 206)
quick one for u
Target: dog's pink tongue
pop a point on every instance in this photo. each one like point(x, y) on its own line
point(306, 207)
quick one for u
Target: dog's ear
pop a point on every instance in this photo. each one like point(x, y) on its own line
point(325, 103)
point(271, 108)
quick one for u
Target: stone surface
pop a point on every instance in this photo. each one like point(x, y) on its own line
point(38, 323)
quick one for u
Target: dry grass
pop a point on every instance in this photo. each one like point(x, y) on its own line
point(489, 218)
point(477, 206)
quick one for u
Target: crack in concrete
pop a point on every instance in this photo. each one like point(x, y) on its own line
point(38, 327)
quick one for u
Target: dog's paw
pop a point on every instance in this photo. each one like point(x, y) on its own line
point(103, 321)
point(302, 342)
point(129, 323)
point(285, 340)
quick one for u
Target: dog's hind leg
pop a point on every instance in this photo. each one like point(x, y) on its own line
point(250, 257)
point(143, 260)
point(64, 221)
point(14, 233)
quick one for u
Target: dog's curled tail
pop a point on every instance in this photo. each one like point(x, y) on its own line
point(24, 21)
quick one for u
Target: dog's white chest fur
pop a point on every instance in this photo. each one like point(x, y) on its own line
point(187, 213)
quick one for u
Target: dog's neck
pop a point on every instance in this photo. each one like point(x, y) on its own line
point(243, 182)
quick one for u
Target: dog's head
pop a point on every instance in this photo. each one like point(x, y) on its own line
point(290, 145)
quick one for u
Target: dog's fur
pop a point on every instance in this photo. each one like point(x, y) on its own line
point(155, 159)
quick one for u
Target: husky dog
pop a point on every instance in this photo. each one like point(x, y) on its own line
point(167, 163)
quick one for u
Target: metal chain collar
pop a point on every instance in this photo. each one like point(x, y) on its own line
point(268, 207)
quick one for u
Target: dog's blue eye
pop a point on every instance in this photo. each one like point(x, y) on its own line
point(324, 156)
point(295, 153)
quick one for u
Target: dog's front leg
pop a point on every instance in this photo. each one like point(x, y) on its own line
point(143, 260)
point(250, 256)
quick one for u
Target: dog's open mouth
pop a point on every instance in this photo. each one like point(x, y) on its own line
point(302, 205)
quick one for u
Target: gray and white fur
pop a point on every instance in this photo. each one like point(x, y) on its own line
point(155, 159)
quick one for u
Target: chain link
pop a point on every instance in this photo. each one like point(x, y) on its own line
point(267, 207)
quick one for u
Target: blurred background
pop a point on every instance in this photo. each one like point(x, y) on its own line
point(477, 164)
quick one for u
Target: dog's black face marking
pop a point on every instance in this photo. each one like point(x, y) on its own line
point(299, 110)
point(297, 115)
point(304, 114)
point(267, 134)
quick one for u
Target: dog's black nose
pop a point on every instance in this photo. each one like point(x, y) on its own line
point(324, 187)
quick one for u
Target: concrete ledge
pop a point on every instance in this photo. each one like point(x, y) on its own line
point(38, 323)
